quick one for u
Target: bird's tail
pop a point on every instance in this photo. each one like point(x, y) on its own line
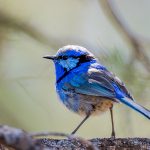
point(136, 107)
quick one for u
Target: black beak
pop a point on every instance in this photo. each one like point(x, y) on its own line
point(50, 57)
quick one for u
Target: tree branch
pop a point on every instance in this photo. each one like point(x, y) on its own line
point(132, 38)
point(21, 140)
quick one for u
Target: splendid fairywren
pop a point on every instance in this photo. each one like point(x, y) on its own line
point(86, 87)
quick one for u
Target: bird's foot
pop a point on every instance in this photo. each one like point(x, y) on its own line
point(72, 133)
point(113, 135)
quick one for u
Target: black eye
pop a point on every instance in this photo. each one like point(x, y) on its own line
point(64, 57)
point(59, 57)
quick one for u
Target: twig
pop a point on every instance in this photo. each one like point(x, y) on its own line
point(135, 41)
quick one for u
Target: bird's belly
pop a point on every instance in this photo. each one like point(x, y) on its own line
point(84, 104)
point(95, 105)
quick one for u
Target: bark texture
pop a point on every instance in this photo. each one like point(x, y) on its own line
point(13, 138)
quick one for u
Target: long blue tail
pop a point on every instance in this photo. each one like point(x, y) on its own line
point(136, 107)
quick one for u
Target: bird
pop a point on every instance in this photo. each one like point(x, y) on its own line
point(87, 87)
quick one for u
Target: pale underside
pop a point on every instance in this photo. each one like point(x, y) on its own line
point(85, 104)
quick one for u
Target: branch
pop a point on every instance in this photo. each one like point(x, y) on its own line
point(21, 140)
point(132, 38)
point(17, 138)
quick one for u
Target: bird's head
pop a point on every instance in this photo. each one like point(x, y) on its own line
point(71, 56)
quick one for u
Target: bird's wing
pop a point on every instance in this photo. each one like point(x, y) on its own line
point(97, 83)
point(120, 85)
point(91, 83)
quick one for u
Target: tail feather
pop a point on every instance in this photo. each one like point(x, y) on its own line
point(136, 107)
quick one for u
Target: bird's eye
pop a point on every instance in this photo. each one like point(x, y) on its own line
point(64, 57)
point(59, 57)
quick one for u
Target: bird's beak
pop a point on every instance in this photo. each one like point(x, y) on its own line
point(50, 57)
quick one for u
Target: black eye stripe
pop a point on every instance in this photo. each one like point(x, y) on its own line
point(62, 57)
point(81, 58)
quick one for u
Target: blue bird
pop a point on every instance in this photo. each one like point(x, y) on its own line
point(86, 87)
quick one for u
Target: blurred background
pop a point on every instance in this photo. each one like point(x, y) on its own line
point(30, 29)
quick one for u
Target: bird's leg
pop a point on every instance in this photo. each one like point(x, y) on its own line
point(75, 130)
point(112, 123)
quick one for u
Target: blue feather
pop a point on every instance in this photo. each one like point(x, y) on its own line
point(135, 106)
